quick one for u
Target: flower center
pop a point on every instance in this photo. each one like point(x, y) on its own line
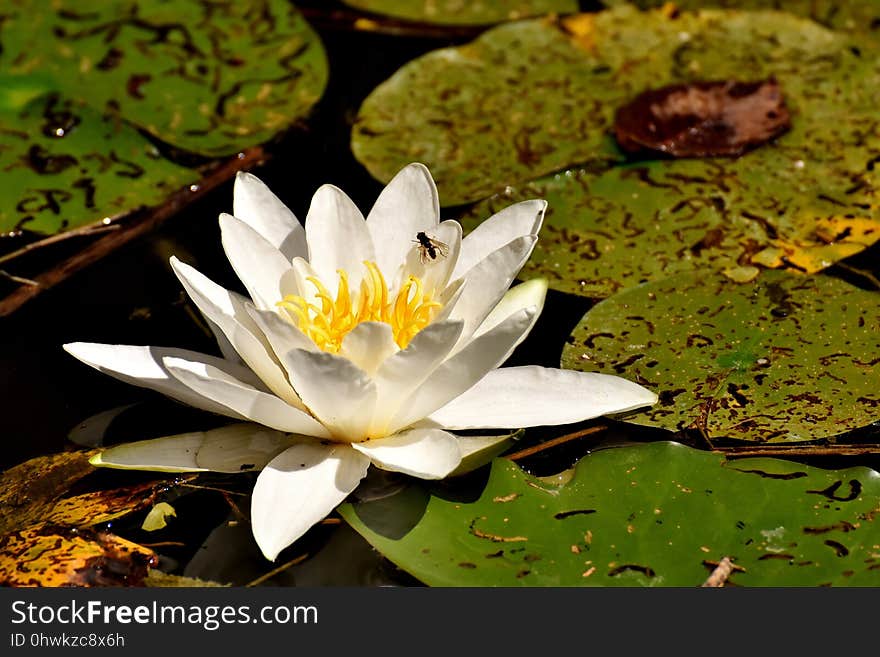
point(329, 320)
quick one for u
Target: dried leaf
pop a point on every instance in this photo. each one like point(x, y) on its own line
point(54, 555)
point(702, 119)
point(28, 491)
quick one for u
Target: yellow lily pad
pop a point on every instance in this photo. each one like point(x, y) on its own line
point(54, 555)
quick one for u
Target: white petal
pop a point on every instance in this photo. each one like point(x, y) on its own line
point(408, 205)
point(423, 453)
point(336, 391)
point(434, 273)
point(257, 263)
point(228, 311)
point(401, 374)
point(223, 343)
point(168, 454)
point(258, 207)
point(477, 451)
point(281, 335)
point(488, 281)
point(338, 237)
point(532, 293)
point(242, 448)
point(517, 220)
point(449, 298)
point(463, 370)
point(233, 448)
point(539, 396)
point(142, 366)
point(246, 401)
point(295, 280)
point(368, 344)
point(299, 488)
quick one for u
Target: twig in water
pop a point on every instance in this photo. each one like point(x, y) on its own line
point(235, 510)
point(860, 272)
point(798, 450)
point(214, 488)
point(279, 569)
point(722, 572)
point(18, 279)
point(547, 444)
point(92, 229)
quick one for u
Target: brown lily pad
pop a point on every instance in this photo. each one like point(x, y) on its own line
point(703, 119)
point(29, 490)
point(55, 555)
point(47, 536)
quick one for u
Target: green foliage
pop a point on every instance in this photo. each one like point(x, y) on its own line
point(785, 358)
point(66, 165)
point(658, 514)
point(456, 12)
point(535, 97)
point(81, 84)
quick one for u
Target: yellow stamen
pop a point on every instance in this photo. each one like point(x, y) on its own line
point(328, 322)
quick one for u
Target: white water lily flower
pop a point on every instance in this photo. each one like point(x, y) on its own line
point(363, 341)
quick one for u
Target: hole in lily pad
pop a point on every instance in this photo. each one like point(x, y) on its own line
point(703, 119)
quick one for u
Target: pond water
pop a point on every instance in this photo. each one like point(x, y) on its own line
point(52, 403)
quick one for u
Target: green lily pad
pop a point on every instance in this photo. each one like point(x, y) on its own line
point(210, 78)
point(534, 97)
point(456, 12)
point(784, 358)
point(658, 514)
point(731, 216)
point(854, 15)
point(65, 165)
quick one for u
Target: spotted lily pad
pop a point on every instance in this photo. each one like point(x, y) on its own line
point(658, 514)
point(537, 96)
point(84, 88)
point(648, 220)
point(457, 12)
point(66, 165)
point(48, 538)
point(853, 15)
point(784, 358)
point(62, 556)
point(29, 490)
point(211, 78)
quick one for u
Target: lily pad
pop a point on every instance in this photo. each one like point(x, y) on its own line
point(854, 15)
point(62, 556)
point(457, 12)
point(702, 119)
point(210, 78)
point(47, 537)
point(158, 579)
point(29, 490)
point(644, 221)
point(89, 509)
point(537, 96)
point(784, 358)
point(658, 514)
point(66, 165)
point(84, 87)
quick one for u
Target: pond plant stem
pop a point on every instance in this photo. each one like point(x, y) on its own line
point(547, 444)
point(262, 578)
point(800, 450)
